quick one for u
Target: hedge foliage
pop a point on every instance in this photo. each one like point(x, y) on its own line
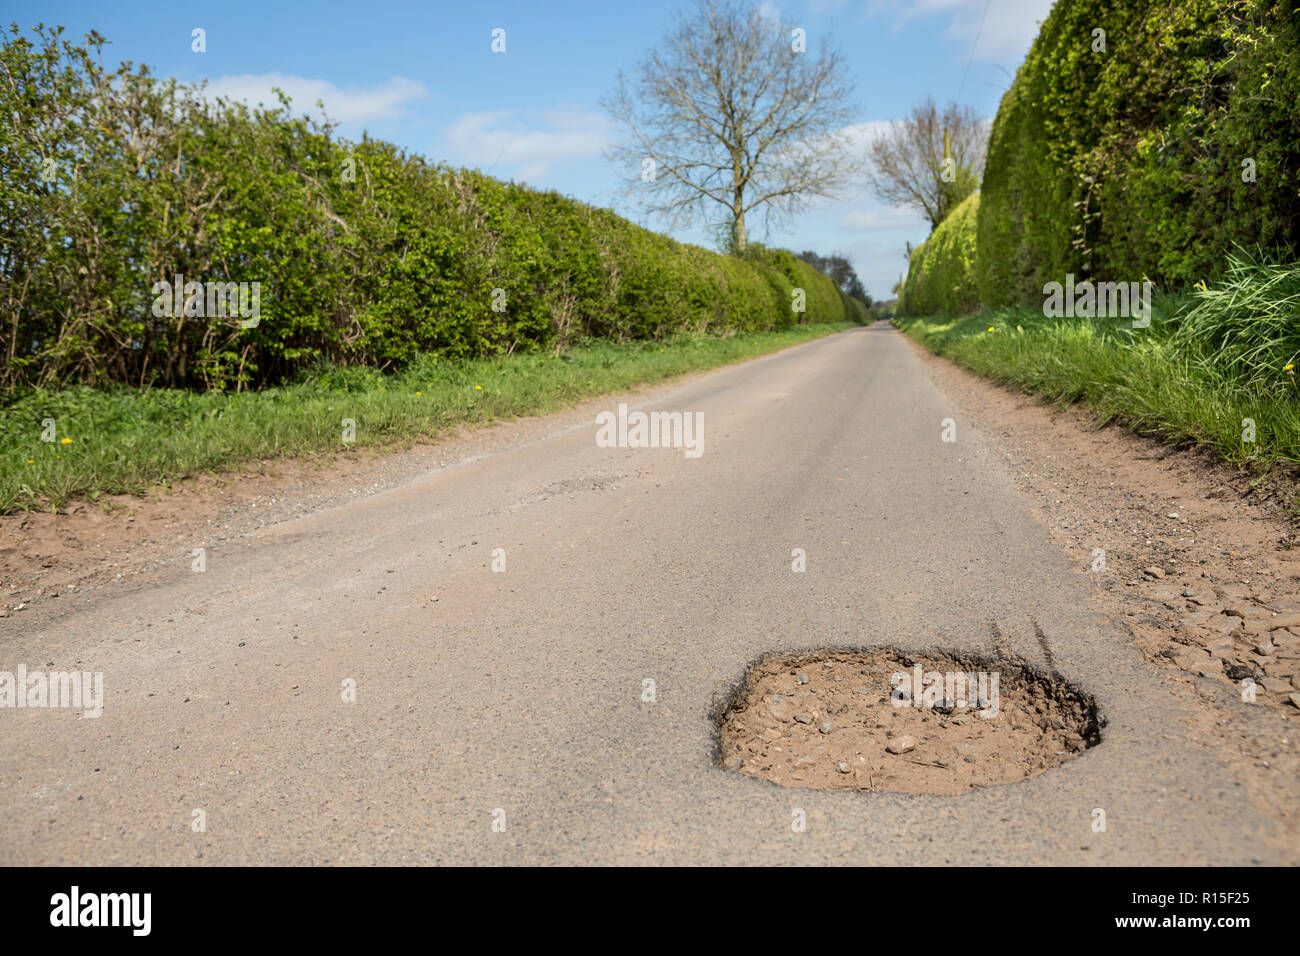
point(941, 274)
point(1130, 162)
point(113, 181)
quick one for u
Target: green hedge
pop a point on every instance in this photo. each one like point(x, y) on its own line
point(1128, 163)
point(941, 274)
point(366, 255)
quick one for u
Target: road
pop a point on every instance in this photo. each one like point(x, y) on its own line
point(521, 691)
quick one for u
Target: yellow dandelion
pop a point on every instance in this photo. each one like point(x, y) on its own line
point(65, 441)
point(990, 328)
point(31, 461)
point(479, 387)
point(419, 393)
point(1288, 368)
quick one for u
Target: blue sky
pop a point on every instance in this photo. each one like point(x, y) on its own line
point(423, 75)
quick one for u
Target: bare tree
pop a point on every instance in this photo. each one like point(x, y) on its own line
point(731, 111)
point(909, 166)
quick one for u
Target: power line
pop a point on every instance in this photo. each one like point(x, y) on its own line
point(978, 31)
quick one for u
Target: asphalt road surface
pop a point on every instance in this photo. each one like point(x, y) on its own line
point(521, 691)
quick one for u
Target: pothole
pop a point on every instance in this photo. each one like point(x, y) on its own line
point(889, 720)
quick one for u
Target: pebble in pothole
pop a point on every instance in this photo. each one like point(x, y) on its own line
point(884, 737)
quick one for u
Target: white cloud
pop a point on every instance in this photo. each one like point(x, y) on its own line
point(1009, 27)
point(351, 105)
point(489, 140)
point(860, 135)
point(883, 217)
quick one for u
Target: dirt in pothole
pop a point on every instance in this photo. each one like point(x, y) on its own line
point(887, 720)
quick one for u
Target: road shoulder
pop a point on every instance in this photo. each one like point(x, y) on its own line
point(1199, 568)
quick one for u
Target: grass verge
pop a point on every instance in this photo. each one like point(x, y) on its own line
point(1147, 379)
point(126, 441)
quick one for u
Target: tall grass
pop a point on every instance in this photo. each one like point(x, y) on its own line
point(1210, 370)
point(1246, 328)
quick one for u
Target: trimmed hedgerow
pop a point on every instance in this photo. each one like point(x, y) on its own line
point(941, 275)
point(111, 182)
point(1152, 158)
